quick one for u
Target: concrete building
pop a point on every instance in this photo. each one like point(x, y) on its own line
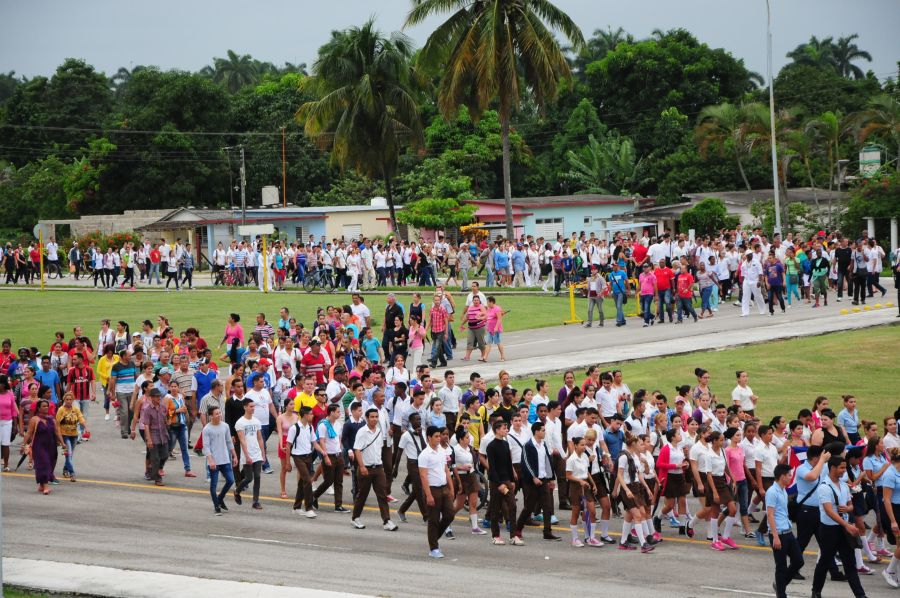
point(107, 224)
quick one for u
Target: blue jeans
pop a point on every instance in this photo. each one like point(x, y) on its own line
point(83, 406)
point(664, 304)
point(489, 281)
point(743, 497)
point(646, 308)
point(792, 290)
point(154, 269)
point(179, 433)
point(438, 347)
point(686, 307)
point(266, 432)
point(705, 295)
point(620, 314)
point(70, 442)
point(714, 297)
point(228, 473)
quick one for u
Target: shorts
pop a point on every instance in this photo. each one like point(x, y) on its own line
point(6, 427)
point(470, 483)
point(600, 484)
point(576, 491)
point(723, 489)
point(637, 496)
point(493, 338)
point(675, 487)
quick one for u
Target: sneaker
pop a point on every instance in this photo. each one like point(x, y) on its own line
point(607, 540)
point(593, 542)
point(357, 524)
point(647, 548)
point(673, 522)
point(391, 498)
point(890, 578)
point(873, 559)
point(864, 570)
point(498, 541)
point(218, 513)
point(885, 553)
point(268, 470)
point(577, 543)
point(552, 537)
point(436, 554)
point(750, 535)
point(106, 418)
point(626, 547)
point(717, 546)
point(553, 520)
point(390, 526)
point(340, 509)
point(657, 537)
point(477, 531)
point(310, 514)
point(223, 506)
point(760, 539)
point(517, 541)
point(402, 517)
point(729, 543)
point(238, 500)
point(257, 506)
point(449, 534)
point(689, 530)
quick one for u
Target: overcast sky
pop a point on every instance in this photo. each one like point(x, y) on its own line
point(37, 35)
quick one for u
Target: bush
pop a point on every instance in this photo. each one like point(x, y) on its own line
point(116, 240)
point(877, 197)
point(708, 217)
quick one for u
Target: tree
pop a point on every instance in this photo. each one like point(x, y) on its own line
point(609, 166)
point(881, 119)
point(438, 214)
point(366, 109)
point(724, 127)
point(813, 90)
point(347, 190)
point(708, 217)
point(8, 84)
point(235, 71)
point(485, 47)
point(845, 52)
point(601, 43)
point(816, 52)
point(877, 197)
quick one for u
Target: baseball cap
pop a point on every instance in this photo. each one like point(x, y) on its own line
point(265, 362)
point(314, 341)
point(165, 370)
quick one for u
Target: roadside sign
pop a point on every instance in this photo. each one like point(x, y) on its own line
point(251, 230)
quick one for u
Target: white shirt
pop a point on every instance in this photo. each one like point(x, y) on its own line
point(698, 454)
point(767, 455)
point(638, 426)
point(261, 401)
point(369, 442)
point(554, 436)
point(450, 397)
point(609, 401)
point(578, 466)
point(716, 462)
point(623, 467)
point(332, 445)
point(434, 461)
point(480, 296)
point(463, 458)
point(412, 444)
point(300, 438)
point(741, 395)
point(517, 441)
point(250, 427)
point(649, 465)
point(750, 451)
point(361, 311)
point(751, 271)
point(891, 441)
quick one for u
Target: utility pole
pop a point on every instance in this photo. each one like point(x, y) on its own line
point(283, 169)
point(775, 186)
point(244, 188)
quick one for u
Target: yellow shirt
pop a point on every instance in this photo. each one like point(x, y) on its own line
point(104, 367)
point(304, 399)
point(68, 420)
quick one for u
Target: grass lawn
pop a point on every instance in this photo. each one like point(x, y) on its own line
point(14, 593)
point(33, 317)
point(786, 375)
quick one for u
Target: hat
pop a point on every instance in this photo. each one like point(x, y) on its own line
point(314, 341)
point(340, 370)
point(165, 370)
point(265, 362)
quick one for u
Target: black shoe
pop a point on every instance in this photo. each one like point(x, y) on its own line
point(237, 498)
point(218, 511)
point(341, 510)
point(838, 576)
point(565, 506)
point(223, 506)
point(442, 365)
point(798, 577)
point(552, 538)
point(657, 524)
point(405, 487)
point(815, 594)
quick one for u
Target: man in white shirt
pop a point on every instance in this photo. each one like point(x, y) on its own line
point(751, 270)
point(367, 453)
point(411, 442)
point(301, 438)
point(553, 426)
point(518, 435)
point(263, 408)
point(329, 433)
point(475, 291)
point(450, 394)
point(249, 433)
point(360, 309)
point(437, 486)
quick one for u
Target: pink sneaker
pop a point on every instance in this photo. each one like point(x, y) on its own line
point(717, 545)
point(577, 543)
point(729, 543)
point(864, 570)
point(478, 531)
point(657, 536)
point(884, 552)
point(593, 542)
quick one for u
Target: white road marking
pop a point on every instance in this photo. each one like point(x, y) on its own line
point(533, 342)
point(269, 541)
point(736, 591)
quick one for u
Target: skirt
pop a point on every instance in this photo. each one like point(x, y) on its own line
point(281, 454)
point(636, 501)
point(601, 484)
point(723, 489)
point(576, 491)
point(653, 484)
point(675, 486)
point(470, 483)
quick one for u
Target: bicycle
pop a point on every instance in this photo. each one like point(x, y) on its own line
point(319, 278)
point(224, 277)
point(53, 270)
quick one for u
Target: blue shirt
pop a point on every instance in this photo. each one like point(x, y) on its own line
point(501, 260)
point(370, 346)
point(204, 383)
point(614, 442)
point(804, 487)
point(891, 479)
point(874, 463)
point(827, 492)
point(777, 498)
point(618, 281)
point(850, 423)
point(518, 259)
point(49, 379)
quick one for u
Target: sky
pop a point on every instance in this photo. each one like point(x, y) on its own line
point(37, 35)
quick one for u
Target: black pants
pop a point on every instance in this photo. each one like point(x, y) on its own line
point(534, 496)
point(251, 472)
point(790, 550)
point(128, 280)
point(844, 276)
point(833, 541)
point(776, 292)
point(159, 454)
point(99, 275)
point(170, 276)
point(872, 281)
point(502, 506)
point(77, 272)
point(859, 288)
point(188, 277)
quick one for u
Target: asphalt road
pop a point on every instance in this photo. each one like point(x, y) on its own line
point(112, 517)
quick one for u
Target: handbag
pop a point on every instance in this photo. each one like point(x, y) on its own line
point(794, 279)
point(71, 268)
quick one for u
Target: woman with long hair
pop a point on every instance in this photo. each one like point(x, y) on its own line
point(283, 423)
point(68, 418)
point(632, 491)
point(581, 485)
point(830, 432)
point(467, 478)
point(719, 491)
point(671, 466)
point(41, 441)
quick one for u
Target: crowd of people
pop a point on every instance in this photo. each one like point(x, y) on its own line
point(360, 407)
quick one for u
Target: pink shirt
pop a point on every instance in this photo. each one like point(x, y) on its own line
point(234, 332)
point(647, 281)
point(494, 324)
point(735, 457)
point(416, 337)
point(8, 409)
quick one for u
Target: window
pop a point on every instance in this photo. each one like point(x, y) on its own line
point(587, 220)
point(300, 234)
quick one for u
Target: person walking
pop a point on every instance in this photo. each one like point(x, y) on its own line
point(218, 448)
point(781, 536)
point(329, 432)
point(154, 418)
point(302, 440)
point(437, 486)
point(618, 282)
point(249, 433)
point(68, 419)
point(502, 478)
point(597, 289)
point(40, 442)
point(370, 471)
point(538, 482)
point(751, 270)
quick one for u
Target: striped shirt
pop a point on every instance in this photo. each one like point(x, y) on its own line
point(79, 381)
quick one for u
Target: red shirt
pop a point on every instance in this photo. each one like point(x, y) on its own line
point(638, 252)
point(319, 413)
point(35, 255)
point(685, 285)
point(155, 256)
point(314, 365)
point(79, 382)
point(664, 278)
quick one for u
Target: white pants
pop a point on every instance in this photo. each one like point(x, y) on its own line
point(354, 279)
point(548, 284)
point(756, 292)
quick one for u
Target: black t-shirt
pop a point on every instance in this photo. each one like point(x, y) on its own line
point(843, 256)
point(391, 312)
point(499, 461)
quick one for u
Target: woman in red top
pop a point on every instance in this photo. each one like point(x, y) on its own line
point(684, 283)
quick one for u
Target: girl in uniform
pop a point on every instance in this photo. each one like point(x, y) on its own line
point(467, 478)
point(631, 493)
point(648, 463)
point(719, 491)
point(581, 484)
point(698, 468)
point(672, 465)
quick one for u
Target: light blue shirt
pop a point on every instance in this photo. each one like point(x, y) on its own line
point(891, 479)
point(777, 498)
point(849, 422)
point(874, 463)
point(518, 259)
point(827, 492)
point(804, 487)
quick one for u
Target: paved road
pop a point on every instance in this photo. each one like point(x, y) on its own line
point(112, 517)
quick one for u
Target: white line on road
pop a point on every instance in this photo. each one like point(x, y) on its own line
point(534, 342)
point(736, 591)
point(268, 541)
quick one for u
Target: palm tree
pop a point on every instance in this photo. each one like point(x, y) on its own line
point(367, 108)
point(882, 118)
point(610, 166)
point(598, 46)
point(725, 127)
point(845, 52)
point(235, 71)
point(816, 52)
point(487, 50)
point(760, 134)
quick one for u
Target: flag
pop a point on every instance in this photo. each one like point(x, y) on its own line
point(796, 458)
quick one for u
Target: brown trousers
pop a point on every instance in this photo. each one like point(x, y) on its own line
point(501, 503)
point(333, 475)
point(440, 516)
point(417, 494)
point(387, 459)
point(562, 485)
point(377, 480)
point(303, 463)
point(534, 496)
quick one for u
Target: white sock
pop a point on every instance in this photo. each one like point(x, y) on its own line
point(694, 521)
point(880, 543)
point(593, 532)
point(867, 549)
point(892, 567)
point(604, 528)
point(474, 520)
point(647, 529)
point(574, 529)
point(626, 530)
point(870, 537)
point(640, 534)
point(714, 529)
point(729, 523)
point(859, 561)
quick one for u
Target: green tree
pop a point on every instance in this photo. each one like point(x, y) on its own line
point(845, 52)
point(609, 166)
point(708, 217)
point(816, 52)
point(349, 189)
point(235, 71)
point(725, 128)
point(438, 214)
point(881, 120)
point(877, 197)
point(366, 110)
point(812, 90)
point(434, 177)
point(487, 50)
point(601, 43)
point(8, 84)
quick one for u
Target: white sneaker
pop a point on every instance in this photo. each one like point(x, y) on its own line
point(330, 491)
point(310, 514)
point(890, 578)
point(106, 418)
point(390, 526)
point(357, 524)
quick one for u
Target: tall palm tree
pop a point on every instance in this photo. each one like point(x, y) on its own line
point(845, 52)
point(725, 127)
point(816, 52)
point(487, 49)
point(235, 71)
point(610, 166)
point(760, 134)
point(366, 110)
point(601, 43)
point(882, 118)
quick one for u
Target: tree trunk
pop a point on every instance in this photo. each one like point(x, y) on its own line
point(741, 170)
point(507, 184)
point(388, 191)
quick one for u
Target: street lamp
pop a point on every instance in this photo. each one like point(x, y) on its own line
point(775, 188)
